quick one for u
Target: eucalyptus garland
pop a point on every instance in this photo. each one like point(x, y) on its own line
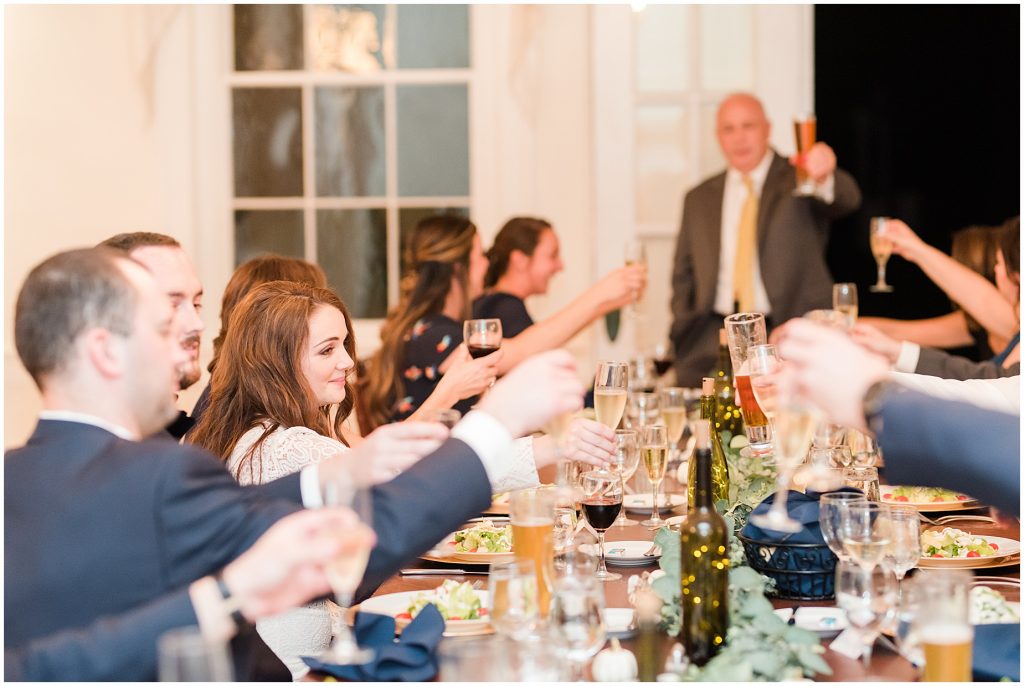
point(759, 646)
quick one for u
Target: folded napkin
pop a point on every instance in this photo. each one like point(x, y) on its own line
point(410, 657)
point(803, 507)
point(996, 652)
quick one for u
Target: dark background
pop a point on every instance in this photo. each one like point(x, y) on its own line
point(921, 105)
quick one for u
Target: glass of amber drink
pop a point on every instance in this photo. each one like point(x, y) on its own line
point(744, 330)
point(532, 513)
point(942, 623)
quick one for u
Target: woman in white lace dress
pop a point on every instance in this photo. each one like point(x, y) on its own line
point(279, 395)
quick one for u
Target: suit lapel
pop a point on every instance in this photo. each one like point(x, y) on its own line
point(713, 235)
point(776, 185)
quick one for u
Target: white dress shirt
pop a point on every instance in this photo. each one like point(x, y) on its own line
point(1001, 395)
point(733, 199)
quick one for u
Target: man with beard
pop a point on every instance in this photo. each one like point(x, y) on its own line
point(165, 259)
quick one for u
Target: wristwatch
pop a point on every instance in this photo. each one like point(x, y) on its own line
point(231, 604)
point(874, 401)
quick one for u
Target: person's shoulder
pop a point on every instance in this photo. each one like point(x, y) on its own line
point(435, 333)
point(709, 185)
point(496, 301)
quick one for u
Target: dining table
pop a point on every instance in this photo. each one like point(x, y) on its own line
point(886, 664)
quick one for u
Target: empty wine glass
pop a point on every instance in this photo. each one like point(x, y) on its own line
point(868, 534)
point(863, 478)
point(654, 453)
point(642, 409)
point(577, 621)
point(869, 598)
point(904, 550)
point(602, 502)
point(624, 463)
point(610, 384)
point(564, 529)
point(828, 435)
point(642, 374)
point(512, 587)
point(346, 571)
point(838, 458)
point(881, 249)
point(834, 518)
point(844, 299)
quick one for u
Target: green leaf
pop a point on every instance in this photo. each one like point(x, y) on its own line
point(744, 577)
point(813, 663)
point(667, 587)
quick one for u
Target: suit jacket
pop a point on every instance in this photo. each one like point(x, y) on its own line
point(96, 525)
point(792, 234)
point(932, 442)
point(940, 363)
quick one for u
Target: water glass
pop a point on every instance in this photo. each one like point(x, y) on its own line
point(905, 547)
point(577, 621)
point(838, 457)
point(863, 478)
point(869, 598)
point(512, 588)
point(564, 528)
point(868, 534)
point(642, 374)
point(943, 625)
point(184, 655)
point(829, 435)
point(834, 519)
point(864, 448)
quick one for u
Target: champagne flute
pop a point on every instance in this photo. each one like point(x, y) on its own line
point(635, 253)
point(625, 462)
point(904, 550)
point(834, 518)
point(869, 533)
point(344, 573)
point(512, 587)
point(642, 409)
point(673, 412)
point(832, 318)
point(602, 503)
point(844, 299)
point(869, 598)
point(881, 249)
point(793, 423)
point(577, 620)
point(654, 451)
point(610, 384)
point(805, 126)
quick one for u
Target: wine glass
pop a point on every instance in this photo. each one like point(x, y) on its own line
point(869, 598)
point(345, 572)
point(793, 422)
point(832, 318)
point(577, 620)
point(904, 550)
point(564, 529)
point(864, 448)
point(868, 534)
point(482, 336)
point(673, 413)
point(834, 517)
point(864, 478)
point(558, 429)
point(881, 249)
point(805, 126)
point(610, 392)
point(662, 358)
point(844, 299)
point(642, 409)
point(512, 587)
point(654, 451)
point(602, 502)
point(642, 374)
point(624, 463)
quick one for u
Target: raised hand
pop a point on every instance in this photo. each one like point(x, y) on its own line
point(386, 452)
point(539, 389)
point(465, 377)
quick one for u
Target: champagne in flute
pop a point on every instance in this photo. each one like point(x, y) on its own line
point(654, 454)
point(805, 128)
point(844, 300)
point(610, 384)
point(881, 249)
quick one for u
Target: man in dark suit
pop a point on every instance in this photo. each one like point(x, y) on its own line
point(747, 243)
point(99, 521)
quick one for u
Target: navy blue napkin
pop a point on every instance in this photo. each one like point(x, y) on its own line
point(996, 652)
point(803, 507)
point(410, 657)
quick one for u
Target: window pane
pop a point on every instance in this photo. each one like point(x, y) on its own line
point(433, 36)
point(662, 162)
point(711, 159)
point(352, 249)
point(268, 37)
point(726, 47)
point(350, 141)
point(268, 141)
point(262, 231)
point(408, 217)
point(433, 140)
point(347, 37)
point(662, 43)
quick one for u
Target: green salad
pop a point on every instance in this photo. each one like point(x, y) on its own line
point(923, 494)
point(484, 538)
point(453, 600)
point(953, 543)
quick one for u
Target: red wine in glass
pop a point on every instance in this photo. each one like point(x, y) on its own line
point(602, 512)
point(478, 351)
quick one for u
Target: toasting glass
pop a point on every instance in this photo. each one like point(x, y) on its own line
point(805, 126)
point(844, 299)
point(881, 249)
point(654, 452)
point(602, 502)
point(610, 384)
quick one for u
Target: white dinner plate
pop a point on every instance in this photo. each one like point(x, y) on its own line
point(624, 553)
point(824, 621)
point(641, 502)
point(1007, 548)
point(962, 502)
point(396, 603)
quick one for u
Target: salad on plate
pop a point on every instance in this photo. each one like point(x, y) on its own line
point(988, 606)
point(484, 537)
point(953, 543)
point(453, 600)
point(922, 494)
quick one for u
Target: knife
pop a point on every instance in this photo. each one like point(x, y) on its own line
point(441, 572)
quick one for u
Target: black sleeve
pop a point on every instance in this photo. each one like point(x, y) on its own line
point(510, 310)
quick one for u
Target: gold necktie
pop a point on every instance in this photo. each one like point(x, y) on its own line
point(746, 251)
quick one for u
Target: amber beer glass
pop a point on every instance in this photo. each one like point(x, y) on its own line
point(746, 329)
point(532, 512)
point(943, 626)
point(805, 126)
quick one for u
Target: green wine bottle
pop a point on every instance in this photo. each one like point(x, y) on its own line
point(727, 412)
point(704, 562)
point(719, 465)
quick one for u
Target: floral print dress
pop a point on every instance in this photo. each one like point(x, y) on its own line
point(431, 340)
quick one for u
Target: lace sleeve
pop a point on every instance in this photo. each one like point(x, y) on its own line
point(521, 469)
point(288, 451)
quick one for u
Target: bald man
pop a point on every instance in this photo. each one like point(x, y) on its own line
point(746, 242)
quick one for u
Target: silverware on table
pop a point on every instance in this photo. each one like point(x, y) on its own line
point(440, 572)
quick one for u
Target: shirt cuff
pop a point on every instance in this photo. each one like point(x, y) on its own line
point(309, 486)
point(826, 191)
point(489, 439)
point(910, 354)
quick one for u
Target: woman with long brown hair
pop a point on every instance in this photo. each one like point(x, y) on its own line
point(445, 268)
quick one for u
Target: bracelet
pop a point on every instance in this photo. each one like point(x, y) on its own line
point(231, 604)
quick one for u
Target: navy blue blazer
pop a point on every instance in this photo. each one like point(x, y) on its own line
point(97, 526)
point(928, 441)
